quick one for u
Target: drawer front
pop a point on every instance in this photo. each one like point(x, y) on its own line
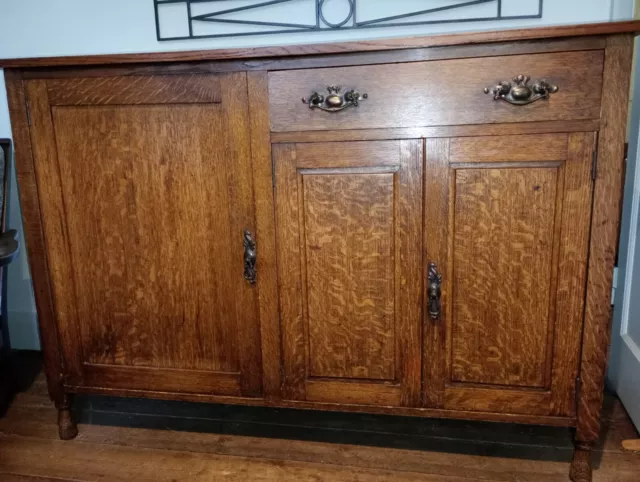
point(438, 93)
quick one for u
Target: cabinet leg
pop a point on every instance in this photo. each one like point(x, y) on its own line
point(581, 470)
point(67, 428)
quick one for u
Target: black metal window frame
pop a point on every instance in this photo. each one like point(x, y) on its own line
point(321, 23)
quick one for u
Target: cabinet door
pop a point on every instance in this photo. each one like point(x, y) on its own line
point(145, 190)
point(507, 223)
point(349, 235)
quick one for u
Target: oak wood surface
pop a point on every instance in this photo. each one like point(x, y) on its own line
point(467, 38)
point(604, 235)
point(265, 234)
point(571, 271)
point(517, 223)
point(34, 234)
point(150, 89)
point(349, 240)
point(121, 232)
point(475, 451)
point(139, 279)
point(331, 60)
point(403, 95)
point(528, 128)
point(502, 257)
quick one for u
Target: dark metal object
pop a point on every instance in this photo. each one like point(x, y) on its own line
point(9, 246)
point(250, 256)
point(434, 291)
point(335, 101)
point(520, 92)
point(350, 22)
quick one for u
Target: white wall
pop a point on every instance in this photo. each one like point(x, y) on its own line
point(33, 28)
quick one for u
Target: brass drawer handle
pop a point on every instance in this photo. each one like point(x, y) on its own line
point(250, 257)
point(519, 92)
point(434, 291)
point(334, 101)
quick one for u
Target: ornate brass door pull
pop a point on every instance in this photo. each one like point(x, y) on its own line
point(434, 291)
point(335, 101)
point(519, 92)
point(250, 255)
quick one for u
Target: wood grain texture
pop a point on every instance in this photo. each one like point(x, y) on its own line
point(348, 232)
point(354, 393)
point(502, 264)
point(34, 235)
point(151, 173)
point(505, 148)
point(335, 48)
point(437, 132)
point(505, 415)
point(164, 379)
point(436, 244)
point(265, 234)
point(402, 95)
point(604, 233)
point(572, 271)
point(488, 400)
point(55, 229)
point(318, 61)
point(139, 90)
point(289, 249)
point(350, 248)
point(446, 448)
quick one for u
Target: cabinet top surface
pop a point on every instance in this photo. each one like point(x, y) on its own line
point(609, 28)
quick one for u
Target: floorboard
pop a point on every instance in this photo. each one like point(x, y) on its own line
point(140, 440)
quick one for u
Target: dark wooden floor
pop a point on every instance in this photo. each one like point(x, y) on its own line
point(138, 440)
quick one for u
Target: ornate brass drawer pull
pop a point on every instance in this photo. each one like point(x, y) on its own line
point(250, 256)
point(519, 92)
point(334, 101)
point(434, 291)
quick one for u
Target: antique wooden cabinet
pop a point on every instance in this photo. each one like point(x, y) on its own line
point(421, 226)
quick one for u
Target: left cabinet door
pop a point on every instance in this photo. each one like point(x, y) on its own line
point(146, 193)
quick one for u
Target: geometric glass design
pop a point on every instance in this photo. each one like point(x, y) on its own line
point(189, 19)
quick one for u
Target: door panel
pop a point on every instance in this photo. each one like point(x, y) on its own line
point(147, 195)
point(350, 241)
point(513, 218)
point(502, 254)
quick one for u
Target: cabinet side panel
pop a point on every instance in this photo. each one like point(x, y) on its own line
point(604, 234)
point(54, 221)
point(34, 235)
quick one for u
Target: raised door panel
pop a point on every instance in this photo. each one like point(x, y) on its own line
point(349, 240)
point(515, 213)
point(146, 192)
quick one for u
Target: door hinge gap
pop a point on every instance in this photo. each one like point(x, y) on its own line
point(594, 166)
point(26, 101)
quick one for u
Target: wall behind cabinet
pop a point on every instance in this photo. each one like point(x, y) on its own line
point(32, 28)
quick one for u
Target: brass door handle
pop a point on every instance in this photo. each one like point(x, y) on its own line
point(250, 257)
point(334, 101)
point(434, 291)
point(519, 92)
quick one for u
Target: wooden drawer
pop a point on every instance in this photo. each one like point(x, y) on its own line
point(437, 93)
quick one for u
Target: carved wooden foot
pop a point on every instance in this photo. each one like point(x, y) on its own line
point(581, 464)
point(67, 428)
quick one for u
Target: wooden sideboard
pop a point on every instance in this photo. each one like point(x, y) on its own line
point(421, 226)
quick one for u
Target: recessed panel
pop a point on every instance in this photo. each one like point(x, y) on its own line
point(155, 252)
point(502, 274)
point(349, 261)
